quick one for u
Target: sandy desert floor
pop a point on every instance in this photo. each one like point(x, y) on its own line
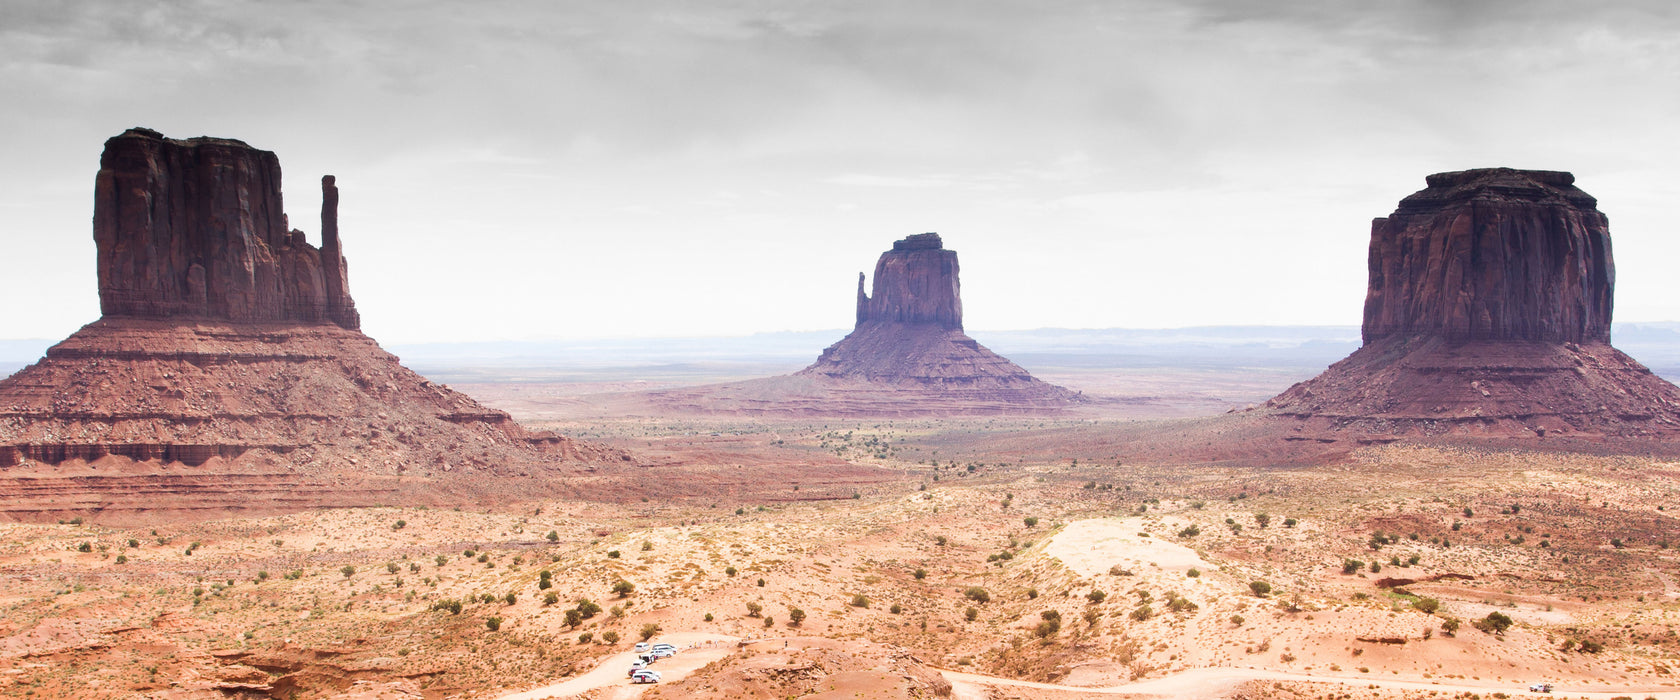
point(978, 563)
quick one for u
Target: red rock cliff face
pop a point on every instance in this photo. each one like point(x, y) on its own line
point(196, 228)
point(1492, 254)
point(1488, 314)
point(915, 282)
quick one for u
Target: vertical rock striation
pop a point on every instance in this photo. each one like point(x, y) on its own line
point(915, 282)
point(1492, 254)
point(197, 228)
point(1488, 313)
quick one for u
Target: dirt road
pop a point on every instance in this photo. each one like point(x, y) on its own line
point(695, 650)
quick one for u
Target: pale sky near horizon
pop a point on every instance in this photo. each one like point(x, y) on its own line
point(520, 170)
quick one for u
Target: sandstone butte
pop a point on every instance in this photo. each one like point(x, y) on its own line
point(1487, 314)
point(227, 373)
point(907, 356)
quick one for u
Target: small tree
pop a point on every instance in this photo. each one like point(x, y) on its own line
point(754, 608)
point(1260, 588)
point(1426, 605)
point(586, 637)
point(348, 571)
point(1262, 519)
point(510, 598)
point(552, 536)
point(1494, 623)
point(769, 622)
point(1096, 597)
point(1449, 626)
point(859, 601)
point(494, 623)
point(795, 617)
point(610, 637)
point(649, 629)
point(1030, 521)
point(977, 594)
point(623, 588)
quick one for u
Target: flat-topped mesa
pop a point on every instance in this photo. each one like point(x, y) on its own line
point(1492, 254)
point(915, 282)
point(197, 229)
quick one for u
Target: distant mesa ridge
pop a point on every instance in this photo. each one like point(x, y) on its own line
point(1488, 313)
point(197, 228)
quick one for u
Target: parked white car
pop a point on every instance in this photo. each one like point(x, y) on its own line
point(644, 675)
point(662, 645)
point(641, 647)
point(662, 652)
point(1540, 688)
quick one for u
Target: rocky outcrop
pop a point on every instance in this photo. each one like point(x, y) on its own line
point(907, 356)
point(228, 375)
point(1488, 314)
point(915, 283)
point(197, 228)
point(1492, 254)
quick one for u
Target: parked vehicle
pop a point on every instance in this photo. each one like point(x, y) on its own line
point(644, 676)
point(1540, 688)
point(641, 647)
point(663, 645)
point(637, 665)
point(659, 653)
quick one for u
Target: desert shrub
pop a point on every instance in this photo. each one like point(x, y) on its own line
point(451, 604)
point(649, 629)
point(1260, 588)
point(1178, 603)
point(1262, 519)
point(796, 616)
point(1030, 521)
point(1427, 605)
point(510, 599)
point(623, 588)
point(1096, 597)
point(919, 574)
point(441, 560)
point(730, 571)
point(551, 598)
point(1186, 533)
point(1032, 594)
point(1494, 623)
point(761, 583)
point(586, 637)
point(896, 608)
point(977, 594)
point(708, 617)
point(483, 557)
point(610, 637)
point(647, 545)
point(971, 614)
point(1048, 625)
point(1142, 612)
point(1590, 647)
point(613, 554)
point(552, 536)
point(84, 547)
point(940, 540)
point(1289, 522)
point(1237, 620)
point(1376, 567)
point(588, 608)
point(860, 601)
point(122, 558)
point(616, 611)
point(348, 571)
point(133, 543)
point(754, 609)
point(493, 623)
point(400, 524)
point(391, 567)
point(1351, 566)
point(769, 621)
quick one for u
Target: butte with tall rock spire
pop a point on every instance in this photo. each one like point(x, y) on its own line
point(1487, 314)
point(907, 356)
point(228, 374)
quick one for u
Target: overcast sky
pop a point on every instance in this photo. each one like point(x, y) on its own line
point(516, 170)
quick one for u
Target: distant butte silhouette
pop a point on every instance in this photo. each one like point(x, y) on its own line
point(1488, 313)
point(228, 374)
point(906, 356)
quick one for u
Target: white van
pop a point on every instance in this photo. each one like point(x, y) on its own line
point(644, 676)
point(641, 647)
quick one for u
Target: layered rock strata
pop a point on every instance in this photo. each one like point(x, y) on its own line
point(1488, 313)
point(907, 356)
point(227, 372)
